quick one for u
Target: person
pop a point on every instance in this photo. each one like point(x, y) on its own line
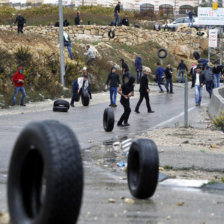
point(67, 43)
point(138, 68)
point(78, 85)
point(181, 67)
point(208, 79)
point(90, 54)
point(125, 70)
point(114, 80)
point(169, 81)
point(144, 92)
point(18, 79)
point(191, 20)
point(90, 79)
point(116, 14)
point(216, 72)
point(192, 70)
point(126, 91)
point(125, 21)
point(160, 76)
point(56, 24)
point(77, 18)
point(198, 81)
point(66, 23)
point(157, 26)
point(21, 21)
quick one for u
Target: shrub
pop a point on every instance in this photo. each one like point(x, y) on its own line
point(219, 121)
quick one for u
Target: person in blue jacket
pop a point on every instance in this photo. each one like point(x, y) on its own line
point(78, 85)
point(138, 68)
point(160, 76)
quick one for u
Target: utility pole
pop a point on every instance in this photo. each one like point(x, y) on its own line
point(62, 57)
point(175, 9)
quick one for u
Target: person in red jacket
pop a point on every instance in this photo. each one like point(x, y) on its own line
point(18, 79)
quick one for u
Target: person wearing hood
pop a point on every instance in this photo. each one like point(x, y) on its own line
point(126, 91)
point(66, 23)
point(209, 77)
point(67, 43)
point(125, 70)
point(18, 79)
point(138, 68)
point(181, 67)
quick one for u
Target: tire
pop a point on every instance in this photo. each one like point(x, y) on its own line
point(162, 53)
point(60, 109)
point(77, 98)
point(111, 34)
point(85, 98)
point(62, 103)
point(46, 153)
point(143, 168)
point(196, 55)
point(108, 119)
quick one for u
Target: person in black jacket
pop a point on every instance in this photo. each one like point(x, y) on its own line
point(114, 80)
point(125, 70)
point(169, 82)
point(116, 14)
point(181, 67)
point(21, 21)
point(125, 21)
point(216, 72)
point(77, 18)
point(144, 92)
point(126, 91)
point(66, 23)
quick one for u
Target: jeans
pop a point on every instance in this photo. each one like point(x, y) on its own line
point(139, 76)
point(113, 95)
point(209, 86)
point(74, 95)
point(142, 96)
point(216, 80)
point(198, 94)
point(160, 83)
point(127, 110)
point(16, 91)
point(126, 74)
point(181, 72)
point(89, 61)
point(116, 19)
point(190, 23)
point(169, 82)
point(68, 45)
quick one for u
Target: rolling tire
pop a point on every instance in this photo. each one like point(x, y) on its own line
point(111, 34)
point(162, 53)
point(60, 109)
point(77, 98)
point(196, 55)
point(45, 182)
point(108, 119)
point(143, 168)
point(61, 103)
point(85, 98)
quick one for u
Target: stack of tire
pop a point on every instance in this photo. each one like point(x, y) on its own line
point(61, 106)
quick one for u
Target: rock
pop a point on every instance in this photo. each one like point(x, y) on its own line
point(4, 218)
point(129, 201)
point(213, 146)
point(180, 203)
point(111, 200)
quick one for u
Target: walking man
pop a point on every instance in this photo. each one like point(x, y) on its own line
point(18, 79)
point(216, 72)
point(144, 92)
point(125, 71)
point(116, 14)
point(208, 79)
point(169, 80)
point(67, 43)
point(160, 76)
point(113, 79)
point(126, 91)
point(21, 21)
point(138, 68)
point(90, 54)
point(181, 67)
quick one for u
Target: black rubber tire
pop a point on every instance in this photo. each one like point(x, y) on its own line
point(45, 152)
point(77, 98)
point(164, 55)
point(143, 168)
point(61, 103)
point(108, 119)
point(60, 109)
point(196, 55)
point(85, 98)
point(111, 34)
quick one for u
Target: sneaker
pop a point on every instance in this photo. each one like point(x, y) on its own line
point(151, 111)
point(115, 105)
point(161, 91)
point(120, 125)
point(72, 105)
point(22, 105)
point(137, 112)
point(13, 105)
point(197, 104)
point(171, 92)
point(126, 125)
point(111, 105)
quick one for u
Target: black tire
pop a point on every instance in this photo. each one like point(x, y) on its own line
point(162, 53)
point(77, 98)
point(60, 109)
point(46, 153)
point(196, 55)
point(61, 103)
point(108, 119)
point(111, 34)
point(85, 98)
point(143, 168)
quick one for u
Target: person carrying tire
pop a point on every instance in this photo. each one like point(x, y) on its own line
point(125, 70)
point(21, 21)
point(169, 81)
point(114, 80)
point(144, 92)
point(126, 91)
point(138, 68)
point(78, 85)
point(181, 67)
point(90, 79)
point(116, 14)
point(67, 43)
point(160, 76)
point(18, 79)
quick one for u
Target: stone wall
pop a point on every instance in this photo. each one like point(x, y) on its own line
point(179, 43)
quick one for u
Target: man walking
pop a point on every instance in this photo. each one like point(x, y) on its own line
point(169, 82)
point(21, 21)
point(116, 14)
point(67, 43)
point(125, 71)
point(144, 92)
point(208, 79)
point(181, 67)
point(138, 68)
point(160, 76)
point(18, 79)
point(216, 72)
point(90, 54)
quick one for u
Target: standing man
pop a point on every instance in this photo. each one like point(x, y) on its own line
point(208, 79)
point(138, 68)
point(216, 72)
point(198, 81)
point(18, 79)
point(67, 43)
point(116, 14)
point(169, 81)
point(90, 54)
point(21, 21)
point(160, 76)
point(191, 20)
point(113, 79)
point(181, 67)
point(125, 70)
point(77, 19)
point(144, 92)
point(126, 91)
point(90, 79)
